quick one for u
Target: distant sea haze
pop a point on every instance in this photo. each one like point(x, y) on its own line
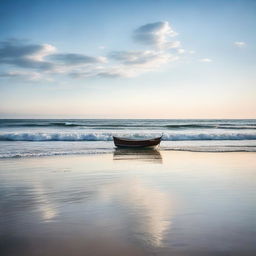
point(194, 135)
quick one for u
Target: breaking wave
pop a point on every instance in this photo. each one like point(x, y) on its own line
point(32, 136)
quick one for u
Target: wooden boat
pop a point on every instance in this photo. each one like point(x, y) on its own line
point(133, 143)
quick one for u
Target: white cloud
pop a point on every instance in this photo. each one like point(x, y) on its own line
point(171, 45)
point(116, 72)
point(240, 44)
point(22, 75)
point(205, 60)
point(45, 49)
point(145, 58)
point(180, 51)
point(155, 34)
point(40, 61)
point(133, 63)
point(128, 64)
point(106, 72)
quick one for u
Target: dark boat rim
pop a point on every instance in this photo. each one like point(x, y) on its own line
point(136, 140)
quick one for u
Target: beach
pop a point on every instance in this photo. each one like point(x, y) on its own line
point(127, 128)
point(156, 202)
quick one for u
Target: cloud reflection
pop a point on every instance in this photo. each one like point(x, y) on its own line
point(47, 208)
point(148, 209)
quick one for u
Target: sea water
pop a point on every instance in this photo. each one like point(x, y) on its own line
point(42, 137)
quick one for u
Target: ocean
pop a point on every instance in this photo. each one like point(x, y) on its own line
point(46, 137)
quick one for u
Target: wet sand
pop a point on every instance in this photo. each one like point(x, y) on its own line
point(129, 203)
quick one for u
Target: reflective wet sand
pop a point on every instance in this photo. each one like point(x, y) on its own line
point(129, 203)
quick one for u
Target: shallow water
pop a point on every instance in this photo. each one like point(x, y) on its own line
point(129, 203)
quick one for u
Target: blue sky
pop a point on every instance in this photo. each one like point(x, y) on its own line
point(128, 59)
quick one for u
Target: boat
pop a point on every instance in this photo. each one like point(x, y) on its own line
point(134, 143)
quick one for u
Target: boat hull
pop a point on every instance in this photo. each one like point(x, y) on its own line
point(130, 143)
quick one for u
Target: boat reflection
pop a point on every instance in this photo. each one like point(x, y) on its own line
point(145, 155)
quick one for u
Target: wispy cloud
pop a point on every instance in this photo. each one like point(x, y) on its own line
point(240, 44)
point(34, 61)
point(145, 58)
point(76, 59)
point(206, 60)
point(26, 75)
point(181, 51)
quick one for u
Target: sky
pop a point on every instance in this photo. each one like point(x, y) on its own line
point(128, 59)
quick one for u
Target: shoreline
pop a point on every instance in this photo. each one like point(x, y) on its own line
point(110, 152)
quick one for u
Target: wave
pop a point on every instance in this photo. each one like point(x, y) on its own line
point(54, 153)
point(134, 125)
point(108, 136)
point(211, 126)
point(68, 124)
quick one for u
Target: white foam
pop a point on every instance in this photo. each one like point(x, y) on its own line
point(103, 136)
